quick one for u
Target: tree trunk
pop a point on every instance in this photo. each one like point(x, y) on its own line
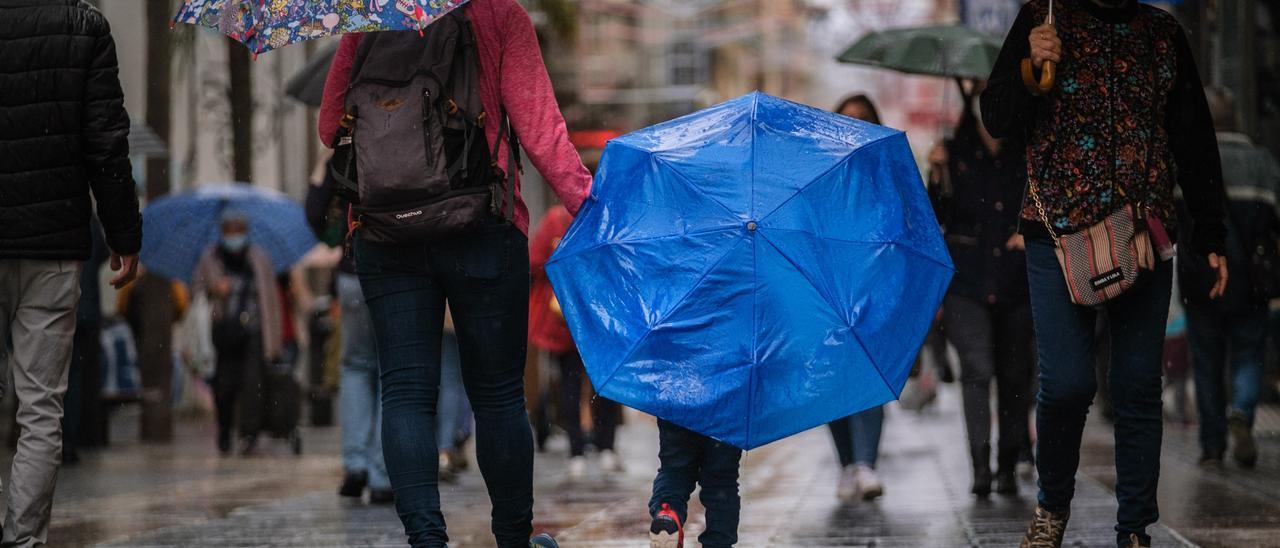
point(240, 95)
point(159, 90)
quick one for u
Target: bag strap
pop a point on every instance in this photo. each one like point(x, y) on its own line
point(508, 133)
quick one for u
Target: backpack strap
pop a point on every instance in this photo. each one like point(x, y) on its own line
point(508, 133)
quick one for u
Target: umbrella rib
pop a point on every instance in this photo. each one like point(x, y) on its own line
point(822, 175)
point(826, 297)
point(636, 346)
point(607, 243)
point(806, 277)
point(689, 182)
point(905, 247)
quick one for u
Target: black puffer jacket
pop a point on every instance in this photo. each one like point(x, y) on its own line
point(63, 133)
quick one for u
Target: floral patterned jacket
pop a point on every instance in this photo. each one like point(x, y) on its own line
point(1125, 120)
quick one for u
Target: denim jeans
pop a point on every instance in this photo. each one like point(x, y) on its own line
point(1065, 343)
point(994, 341)
point(1216, 338)
point(359, 396)
point(857, 437)
point(485, 278)
point(688, 458)
point(455, 411)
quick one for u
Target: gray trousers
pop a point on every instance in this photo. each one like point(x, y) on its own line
point(994, 342)
point(38, 316)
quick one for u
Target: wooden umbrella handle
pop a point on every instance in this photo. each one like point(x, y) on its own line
point(1047, 76)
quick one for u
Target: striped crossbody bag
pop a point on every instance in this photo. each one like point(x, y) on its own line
point(1103, 261)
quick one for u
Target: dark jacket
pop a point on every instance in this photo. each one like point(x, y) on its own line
point(1125, 120)
point(1252, 178)
point(328, 215)
point(63, 133)
point(978, 210)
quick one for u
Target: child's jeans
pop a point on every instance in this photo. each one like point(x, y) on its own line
point(688, 459)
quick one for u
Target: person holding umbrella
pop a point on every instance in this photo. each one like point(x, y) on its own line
point(241, 285)
point(987, 312)
point(415, 251)
point(1107, 96)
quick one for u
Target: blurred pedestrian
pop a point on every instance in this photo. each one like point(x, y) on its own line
point(1232, 331)
point(246, 322)
point(857, 437)
point(987, 311)
point(152, 305)
point(65, 137)
point(1123, 121)
point(359, 393)
point(421, 251)
point(549, 332)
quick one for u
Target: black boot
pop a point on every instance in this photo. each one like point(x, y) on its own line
point(353, 483)
point(981, 470)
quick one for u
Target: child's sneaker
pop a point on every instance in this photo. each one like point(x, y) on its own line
point(666, 531)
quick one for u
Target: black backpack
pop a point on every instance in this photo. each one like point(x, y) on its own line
point(411, 153)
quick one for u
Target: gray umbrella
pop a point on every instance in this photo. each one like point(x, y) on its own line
point(307, 85)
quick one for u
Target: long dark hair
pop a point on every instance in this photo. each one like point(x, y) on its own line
point(859, 99)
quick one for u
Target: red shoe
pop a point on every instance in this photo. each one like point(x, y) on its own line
point(666, 530)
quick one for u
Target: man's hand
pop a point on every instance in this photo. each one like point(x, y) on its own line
point(1045, 45)
point(1016, 243)
point(126, 269)
point(1219, 263)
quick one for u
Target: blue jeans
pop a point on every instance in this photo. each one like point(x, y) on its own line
point(485, 278)
point(358, 393)
point(857, 437)
point(1214, 336)
point(454, 411)
point(1065, 344)
point(689, 459)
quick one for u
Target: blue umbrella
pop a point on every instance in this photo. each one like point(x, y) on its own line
point(753, 270)
point(178, 229)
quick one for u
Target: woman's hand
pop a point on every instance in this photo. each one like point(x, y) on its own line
point(1045, 45)
point(1219, 263)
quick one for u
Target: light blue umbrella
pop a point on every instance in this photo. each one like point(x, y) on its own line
point(753, 270)
point(178, 229)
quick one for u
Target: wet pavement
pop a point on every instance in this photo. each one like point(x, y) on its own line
point(185, 495)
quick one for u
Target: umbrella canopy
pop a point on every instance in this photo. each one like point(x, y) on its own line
point(179, 228)
point(307, 85)
point(951, 51)
point(264, 25)
point(753, 270)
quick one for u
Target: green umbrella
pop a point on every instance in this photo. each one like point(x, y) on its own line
point(951, 51)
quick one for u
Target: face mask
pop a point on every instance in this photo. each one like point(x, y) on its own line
point(235, 243)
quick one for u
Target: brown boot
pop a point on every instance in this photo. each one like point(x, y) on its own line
point(1135, 542)
point(1046, 530)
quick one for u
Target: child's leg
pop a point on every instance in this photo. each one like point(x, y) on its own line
point(719, 479)
point(679, 451)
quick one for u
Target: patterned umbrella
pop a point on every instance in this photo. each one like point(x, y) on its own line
point(264, 25)
point(178, 229)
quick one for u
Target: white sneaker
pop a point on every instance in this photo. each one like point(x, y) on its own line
point(577, 467)
point(868, 483)
point(609, 462)
point(847, 489)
